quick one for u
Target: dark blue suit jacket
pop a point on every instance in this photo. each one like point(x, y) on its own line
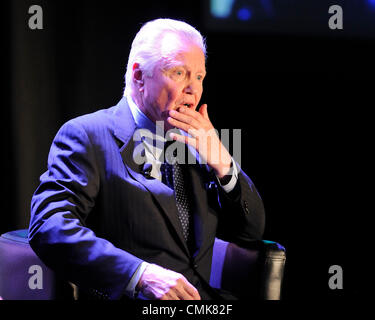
point(95, 216)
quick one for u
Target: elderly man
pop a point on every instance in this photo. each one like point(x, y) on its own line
point(116, 227)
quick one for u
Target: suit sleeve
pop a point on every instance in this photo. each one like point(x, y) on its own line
point(242, 216)
point(59, 208)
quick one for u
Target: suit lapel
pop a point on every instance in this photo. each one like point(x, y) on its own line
point(124, 127)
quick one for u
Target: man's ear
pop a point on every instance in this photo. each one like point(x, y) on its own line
point(138, 76)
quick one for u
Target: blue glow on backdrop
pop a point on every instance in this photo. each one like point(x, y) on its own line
point(221, 8)
point(371, 3)
point(290, 16)
point(244, 14)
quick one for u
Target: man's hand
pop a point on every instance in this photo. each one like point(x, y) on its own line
point(157, 283)
point(203, 137)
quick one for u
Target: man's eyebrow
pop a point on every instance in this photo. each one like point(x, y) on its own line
point(186, 67)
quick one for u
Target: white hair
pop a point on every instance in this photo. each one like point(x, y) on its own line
point(146, 47)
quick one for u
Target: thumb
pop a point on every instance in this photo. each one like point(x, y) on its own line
point(203, 111)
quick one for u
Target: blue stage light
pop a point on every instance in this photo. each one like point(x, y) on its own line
point(371, 3)
point(221, 8)
point(244, 14)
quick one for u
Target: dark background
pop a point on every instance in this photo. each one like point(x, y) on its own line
point(302, 101)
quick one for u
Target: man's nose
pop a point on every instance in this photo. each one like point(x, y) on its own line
point(191, 88)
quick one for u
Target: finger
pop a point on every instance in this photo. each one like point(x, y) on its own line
point(170, 295)
point(185, 290)
point(187, 128)
point(188, 119)
point(187, 140)
point(191, 112)
point(178, 124)
point(192, 291)
point(203, 111)
point(184, 295)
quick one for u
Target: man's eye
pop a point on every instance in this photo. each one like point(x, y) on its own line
point(179, 73)
point(200, 77)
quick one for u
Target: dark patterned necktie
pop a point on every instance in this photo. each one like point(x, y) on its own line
point(173, 175)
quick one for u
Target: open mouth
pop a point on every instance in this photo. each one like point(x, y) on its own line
point(188, 105)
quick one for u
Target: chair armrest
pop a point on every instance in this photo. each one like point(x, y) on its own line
point(16, 258)
point(272, 264)
point(250, 269)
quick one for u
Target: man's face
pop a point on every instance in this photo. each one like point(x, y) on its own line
point(176, 81)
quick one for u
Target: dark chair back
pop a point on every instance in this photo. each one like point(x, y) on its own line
point(252, 270)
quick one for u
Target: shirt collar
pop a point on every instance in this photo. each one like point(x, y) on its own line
point(141, 120)
point(155, 145)
point(152, 139)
